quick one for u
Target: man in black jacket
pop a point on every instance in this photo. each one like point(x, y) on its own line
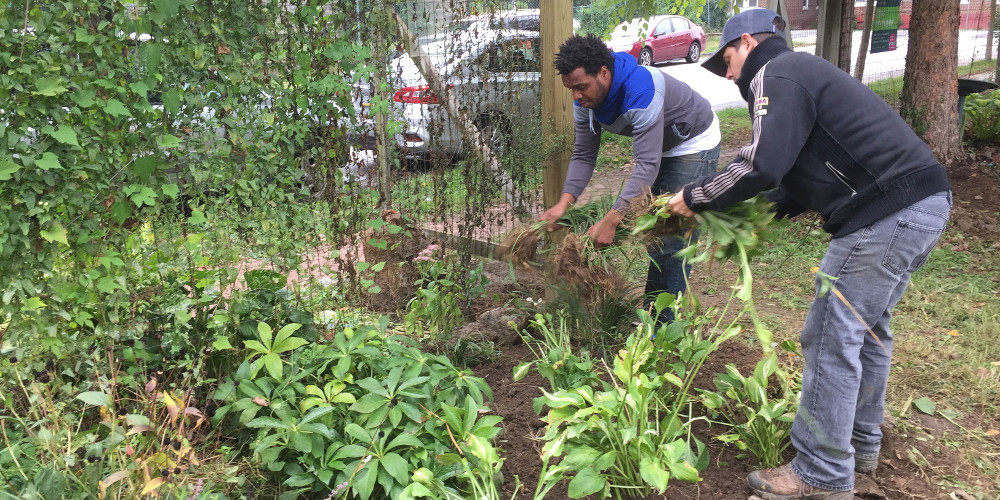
point(823, 141)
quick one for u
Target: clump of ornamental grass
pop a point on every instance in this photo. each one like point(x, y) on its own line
point(520, 245)
point(576, 266)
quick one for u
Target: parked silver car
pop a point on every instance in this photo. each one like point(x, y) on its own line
point(494, 75)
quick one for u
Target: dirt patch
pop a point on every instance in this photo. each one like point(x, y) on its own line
point(975, 181)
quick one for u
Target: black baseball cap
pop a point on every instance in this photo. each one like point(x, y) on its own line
point(751, 21)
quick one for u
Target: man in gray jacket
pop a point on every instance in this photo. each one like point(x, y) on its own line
point(823, 141)
point(675, 140)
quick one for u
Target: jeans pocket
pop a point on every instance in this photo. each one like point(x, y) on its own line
point(912, 242)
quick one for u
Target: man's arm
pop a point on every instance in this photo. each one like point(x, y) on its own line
point(587, 143)
point(784, 205)
point(647, 138)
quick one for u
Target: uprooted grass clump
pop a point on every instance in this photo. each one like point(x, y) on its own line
point(520, 245)
point(724, 235)
point(575, 266)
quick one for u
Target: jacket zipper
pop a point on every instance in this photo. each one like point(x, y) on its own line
point(841, 177)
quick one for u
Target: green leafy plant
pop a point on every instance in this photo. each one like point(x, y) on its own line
point(982, 116)
point(434, 311)
point(626, 439)
point(354, 415)
point(554, 355)
point(267, 349)
point(479, 461)
point(760, 421)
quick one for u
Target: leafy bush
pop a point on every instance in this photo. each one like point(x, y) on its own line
point(365, 410)
point(982, 116)
point(82, 429)
point(435, 310)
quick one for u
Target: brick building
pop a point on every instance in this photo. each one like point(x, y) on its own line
point(803, 14)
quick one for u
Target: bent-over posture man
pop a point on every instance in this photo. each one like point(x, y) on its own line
point(675, 140)
point(825, 142)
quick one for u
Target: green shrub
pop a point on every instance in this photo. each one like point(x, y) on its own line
point(982, 117)
point(363, 413)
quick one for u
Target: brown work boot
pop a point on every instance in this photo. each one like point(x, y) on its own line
point(783, 484)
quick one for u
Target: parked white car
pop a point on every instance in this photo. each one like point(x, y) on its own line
point(494, 75)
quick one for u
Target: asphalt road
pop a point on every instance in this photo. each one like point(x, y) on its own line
point(724, 94)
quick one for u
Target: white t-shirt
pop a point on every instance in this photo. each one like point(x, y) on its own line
point(706, 140)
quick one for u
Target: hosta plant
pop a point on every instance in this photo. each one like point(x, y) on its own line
point(548, 337)
point(758, 414)
point(625, 440)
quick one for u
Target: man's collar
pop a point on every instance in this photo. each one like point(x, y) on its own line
point(756, 59)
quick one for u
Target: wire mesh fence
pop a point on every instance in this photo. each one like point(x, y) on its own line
point(500, 41)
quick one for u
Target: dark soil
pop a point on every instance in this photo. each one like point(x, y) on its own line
point(976, 183)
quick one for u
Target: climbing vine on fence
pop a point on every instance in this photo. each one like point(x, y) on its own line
point(147, 147)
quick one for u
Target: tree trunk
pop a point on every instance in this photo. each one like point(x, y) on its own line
point(847, 24)
point(866, 35)
point(929, 100)
point(991, 27)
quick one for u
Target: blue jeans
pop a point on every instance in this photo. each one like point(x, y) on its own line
point(846, 369)
point(666, 273)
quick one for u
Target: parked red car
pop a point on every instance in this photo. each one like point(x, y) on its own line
point(659, 39)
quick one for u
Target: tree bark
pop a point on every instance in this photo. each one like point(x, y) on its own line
point(866, 35)
point(847, 24)
point(929, 99)
point(991, 27)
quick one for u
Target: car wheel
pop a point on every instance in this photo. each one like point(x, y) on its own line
point(694, 52)
point(497, 130)
point(646, 57)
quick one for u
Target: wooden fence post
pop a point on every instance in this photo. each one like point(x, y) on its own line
point(557, 113)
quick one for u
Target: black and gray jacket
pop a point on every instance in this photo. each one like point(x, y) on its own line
point(658, 111)
point(825, 141)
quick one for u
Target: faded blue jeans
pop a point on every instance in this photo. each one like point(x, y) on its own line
point(846, 368)
point(666, 273)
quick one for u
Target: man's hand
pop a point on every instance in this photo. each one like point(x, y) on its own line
point(678, 206)
point(603, 233)
point(553, 214)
